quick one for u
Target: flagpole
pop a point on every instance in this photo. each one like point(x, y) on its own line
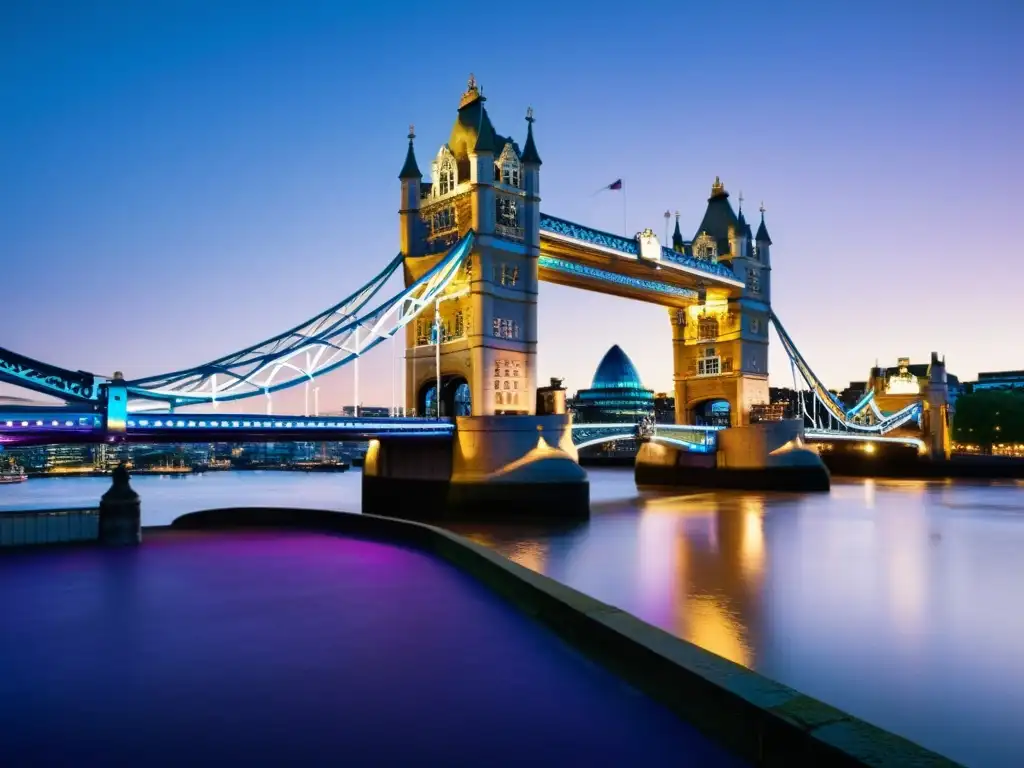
point(625, 228)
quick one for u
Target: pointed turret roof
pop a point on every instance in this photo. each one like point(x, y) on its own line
point(530, 148)
point(473, 132)
point(762, 231)
point(719, 217)
point(677, 237)
point(410, 170)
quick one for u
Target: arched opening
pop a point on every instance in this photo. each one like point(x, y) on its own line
point(456, 399)
point(712, 413)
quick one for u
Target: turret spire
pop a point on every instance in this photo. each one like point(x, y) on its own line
point(677, 237)
point(410, 170)
point(473, 92)
point(762, 231)
point(530, 148)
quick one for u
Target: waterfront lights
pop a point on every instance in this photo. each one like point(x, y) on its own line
point(869, 448)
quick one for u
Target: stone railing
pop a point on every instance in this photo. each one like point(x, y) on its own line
point(49, 526)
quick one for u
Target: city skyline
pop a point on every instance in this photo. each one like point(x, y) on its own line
point(177, 191)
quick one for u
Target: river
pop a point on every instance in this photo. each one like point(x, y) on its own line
point(897, 601)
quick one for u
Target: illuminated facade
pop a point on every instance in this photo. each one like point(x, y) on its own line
point(721, 345)
point(482, 333)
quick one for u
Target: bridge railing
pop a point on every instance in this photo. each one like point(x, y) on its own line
point(48, 526)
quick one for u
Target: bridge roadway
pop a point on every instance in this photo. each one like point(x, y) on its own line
point(47, 426)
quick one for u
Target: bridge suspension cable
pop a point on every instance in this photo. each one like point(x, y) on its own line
point(832, 404)
point(330, 340)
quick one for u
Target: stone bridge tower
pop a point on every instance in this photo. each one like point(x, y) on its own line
point(720, 345)
point(484, 182)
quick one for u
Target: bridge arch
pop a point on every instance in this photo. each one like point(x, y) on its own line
point(456, 399)
point(710, 412)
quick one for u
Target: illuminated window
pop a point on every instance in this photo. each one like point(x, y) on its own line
point(705, 247)
point(497, 398)
point(709, 366)
point(707, 328)
point(505, 329)
point(507, 212)
point(442, 221)
point(507, 168)
point(447, 175)
point(505, 275)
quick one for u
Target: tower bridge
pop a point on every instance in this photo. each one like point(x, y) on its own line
point(474, 247)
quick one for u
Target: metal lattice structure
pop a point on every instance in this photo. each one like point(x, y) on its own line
point(333, 338)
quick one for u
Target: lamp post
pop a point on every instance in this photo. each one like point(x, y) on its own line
point(437, 356)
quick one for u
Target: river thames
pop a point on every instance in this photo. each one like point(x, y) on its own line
point(899, 602)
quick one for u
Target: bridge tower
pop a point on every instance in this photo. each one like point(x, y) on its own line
point(720, 344)
point(485, 182)
point(937, 411)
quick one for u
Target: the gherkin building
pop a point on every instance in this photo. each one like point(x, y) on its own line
point(616, 393)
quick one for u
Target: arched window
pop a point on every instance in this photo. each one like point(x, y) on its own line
point(445, 172)
point(507, 169)
point(463, 402)
point(705, 247)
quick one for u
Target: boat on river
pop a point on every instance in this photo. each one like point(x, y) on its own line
point(12, 475)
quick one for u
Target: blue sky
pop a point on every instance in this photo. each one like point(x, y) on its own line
point(181, 179)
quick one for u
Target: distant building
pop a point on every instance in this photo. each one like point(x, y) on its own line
point(999, 380)
point(616, 393)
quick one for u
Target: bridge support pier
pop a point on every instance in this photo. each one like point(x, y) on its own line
point(768, 456)
point(495, 467)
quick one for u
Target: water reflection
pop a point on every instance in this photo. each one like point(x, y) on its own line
point(896, 601)
point(892, 600)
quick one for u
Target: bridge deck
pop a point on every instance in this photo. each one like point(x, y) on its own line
point(299, 649)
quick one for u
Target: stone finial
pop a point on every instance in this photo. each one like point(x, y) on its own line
point(412, 132)
point(529, 114)
point(120, 485)
point(762, 209)
point(718, 187)
point(740, 200)
point(471, 86)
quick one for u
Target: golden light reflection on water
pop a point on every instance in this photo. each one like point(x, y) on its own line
point(752, 538)
point(713, 627)
point(701, 559)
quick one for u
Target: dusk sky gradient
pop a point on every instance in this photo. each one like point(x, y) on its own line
point(179, 180)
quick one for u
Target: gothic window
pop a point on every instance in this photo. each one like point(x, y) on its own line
point(707, 329)
point(506, 276)
point(508, 167)
point(507, 211)
point(446, 172)
point(705, 247)
point(460, 325)
point(753, 280)
point(442, 220)
point(505, 329)
point(506, 385)
point(497, 384)
point(755, 325)
point(497, 398)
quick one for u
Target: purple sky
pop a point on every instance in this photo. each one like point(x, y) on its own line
point(182, 179)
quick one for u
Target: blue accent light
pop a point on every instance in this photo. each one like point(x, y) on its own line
point(625, 245)
point(570, 267)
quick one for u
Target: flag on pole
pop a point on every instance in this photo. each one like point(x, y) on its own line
point(617, 184)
